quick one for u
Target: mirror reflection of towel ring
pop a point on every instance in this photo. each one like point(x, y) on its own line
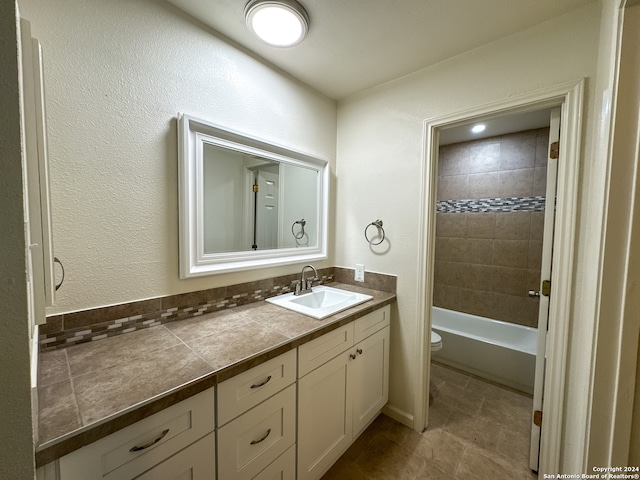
point(378, 225)
point(300, 234)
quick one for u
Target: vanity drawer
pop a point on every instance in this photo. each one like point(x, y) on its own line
point(371, 323)
point(196, 462)
point(252, 441)
point(283, 467)
point(244, 391)
point(322, 349)
point(145, 443)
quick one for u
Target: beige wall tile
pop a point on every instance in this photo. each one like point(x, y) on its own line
point(540, 181)
point(480, 225)
point(534, 260)
point(542, 147)
point(484, 185)
point(450, 224)
point(511, 253)
point(450, 249)
point(453, 159)
point(478, 251)
point(453, 187)
point(518, 150)
point(537, 225)
point(484, 156)
point(516, 183)
point(513, 226)
point(510, 281)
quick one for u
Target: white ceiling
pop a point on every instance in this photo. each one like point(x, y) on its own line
point(353, 45)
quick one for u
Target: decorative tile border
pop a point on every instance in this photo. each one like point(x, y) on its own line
point(507, 204)
point(74, 328)
point(64, 330)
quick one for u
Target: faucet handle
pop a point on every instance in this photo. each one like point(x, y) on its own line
point(296, 284)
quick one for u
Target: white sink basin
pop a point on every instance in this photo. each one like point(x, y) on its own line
point(321, 302)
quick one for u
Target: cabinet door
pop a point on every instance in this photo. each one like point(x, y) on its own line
point(370, 379)
point(324, 417)
point(197, 462)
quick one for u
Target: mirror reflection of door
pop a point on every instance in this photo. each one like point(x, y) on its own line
point(266, 207)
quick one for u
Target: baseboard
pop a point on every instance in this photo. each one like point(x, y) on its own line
point(398, 415)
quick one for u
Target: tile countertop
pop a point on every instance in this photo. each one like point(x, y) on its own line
point(88, 391)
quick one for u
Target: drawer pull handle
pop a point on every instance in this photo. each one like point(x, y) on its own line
point(255, 442)
point(153, 442)
point(262, 384)
point(352, 356)
point(359, 351)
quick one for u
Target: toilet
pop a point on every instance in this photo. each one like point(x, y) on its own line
point(436, 342)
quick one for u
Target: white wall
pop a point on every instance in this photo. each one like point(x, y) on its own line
point(380, 143)
point(299, 199)
point(117, 73)
point(16, 454)
point(224, 182)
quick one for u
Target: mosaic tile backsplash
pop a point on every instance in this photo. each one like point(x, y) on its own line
point(68, 329)
point(489, 226)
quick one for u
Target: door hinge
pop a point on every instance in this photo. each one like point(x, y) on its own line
point(546, 288)
point(537, 418)
point(255, 189)
point(554, 150)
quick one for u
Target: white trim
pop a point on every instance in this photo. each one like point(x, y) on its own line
point(570, 97)
point(194, 261)
point(615, 342)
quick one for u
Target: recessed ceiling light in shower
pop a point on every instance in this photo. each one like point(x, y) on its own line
point(279, 23)
point(478, 128)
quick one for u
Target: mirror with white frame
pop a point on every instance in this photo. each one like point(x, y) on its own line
point(246, 203)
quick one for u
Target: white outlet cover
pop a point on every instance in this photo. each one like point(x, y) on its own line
point(359, 275)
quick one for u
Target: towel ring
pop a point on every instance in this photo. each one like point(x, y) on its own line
point(300, 234)
point(378, 225)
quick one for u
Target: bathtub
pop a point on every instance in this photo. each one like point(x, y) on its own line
point(498, 351)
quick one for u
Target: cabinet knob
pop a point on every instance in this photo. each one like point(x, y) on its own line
point(352, 356)
point(359, 351)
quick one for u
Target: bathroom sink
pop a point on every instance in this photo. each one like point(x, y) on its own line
point(322, 302)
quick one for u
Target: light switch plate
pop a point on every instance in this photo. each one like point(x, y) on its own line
point(359, 276)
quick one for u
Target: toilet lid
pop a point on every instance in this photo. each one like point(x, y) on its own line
point(435, 338)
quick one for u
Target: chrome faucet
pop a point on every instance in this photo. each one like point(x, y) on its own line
point(304, 284)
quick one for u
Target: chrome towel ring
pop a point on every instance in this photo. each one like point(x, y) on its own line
point(378, 225)
point(300, 234)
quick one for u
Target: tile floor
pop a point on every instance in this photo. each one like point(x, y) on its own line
point(477, 430)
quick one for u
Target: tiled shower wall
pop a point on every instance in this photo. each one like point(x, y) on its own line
point(489, 225)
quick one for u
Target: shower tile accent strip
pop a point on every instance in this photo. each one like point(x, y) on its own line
point(73, 328)
point(508, 204)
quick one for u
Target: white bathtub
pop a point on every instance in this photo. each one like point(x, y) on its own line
point(499, 351)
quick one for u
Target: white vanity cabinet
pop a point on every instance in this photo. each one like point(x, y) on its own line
point(340, 395)
point(257, 422)
point(179, 439)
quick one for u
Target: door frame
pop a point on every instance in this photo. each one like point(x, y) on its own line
point(569, 97)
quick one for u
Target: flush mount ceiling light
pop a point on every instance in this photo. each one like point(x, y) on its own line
point(279, 23)
point(478, 128)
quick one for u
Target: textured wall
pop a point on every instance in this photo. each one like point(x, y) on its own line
point(380, 154)
point(117, 73)
point(488, 253)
